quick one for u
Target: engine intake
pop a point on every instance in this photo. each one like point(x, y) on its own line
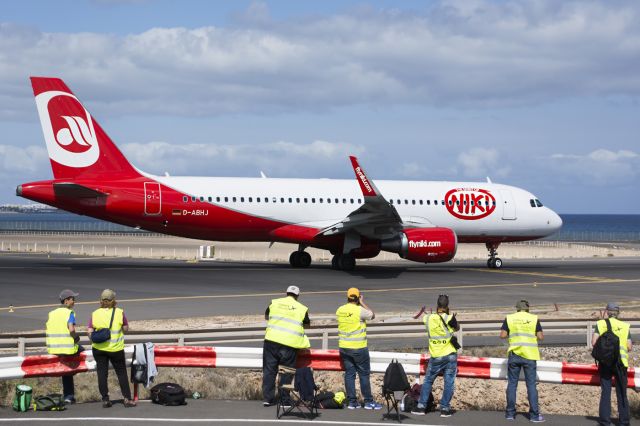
point(426, 245)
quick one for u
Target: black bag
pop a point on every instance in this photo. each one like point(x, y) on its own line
point(104, 334)
point(606, 351)
point(454, 339)
point(50, 402)
point(327, 400)
point(168, 394)
point(411, 397)
point(395, 379)
point(139, 371)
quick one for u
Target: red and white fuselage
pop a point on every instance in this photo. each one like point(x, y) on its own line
point(357, 218)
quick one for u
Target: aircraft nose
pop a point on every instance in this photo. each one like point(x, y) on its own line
point(555, 221)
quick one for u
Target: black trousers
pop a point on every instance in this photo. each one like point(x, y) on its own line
point(273, 355)
point(102, 368)
point(620, 376)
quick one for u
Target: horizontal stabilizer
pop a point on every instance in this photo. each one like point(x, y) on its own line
point(73, 190)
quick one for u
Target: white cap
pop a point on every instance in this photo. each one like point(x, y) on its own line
point(293, 290)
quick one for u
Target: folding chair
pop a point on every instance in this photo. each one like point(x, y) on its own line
point(294, 396)
point(394, 386)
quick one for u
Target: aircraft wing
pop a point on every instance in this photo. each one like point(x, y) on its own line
point(376, 218)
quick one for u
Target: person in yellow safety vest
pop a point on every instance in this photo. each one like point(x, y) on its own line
point(524, 331)
point(62, 338)
point(444, 356)
point(620, 329)
point(112, 349)
point(352, 340)
point(286, 320)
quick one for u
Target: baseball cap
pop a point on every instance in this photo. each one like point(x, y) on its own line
point(66, 293)
point(353, 292)
point(108, 294)
point(613, 306)
point(522, 305)
point(293, 290)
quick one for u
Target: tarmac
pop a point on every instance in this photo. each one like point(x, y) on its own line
point(165, 289)
point(252, 412)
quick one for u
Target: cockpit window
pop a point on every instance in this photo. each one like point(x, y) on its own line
point(538, 203)
point(532, 202)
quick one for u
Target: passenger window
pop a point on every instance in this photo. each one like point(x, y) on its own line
point(297, 200)
point(391, 201)
point(359, 201)
point(209, 199)
point(337, 201)
point(217, 199)
point(328, 200)
point(435, 202)
point(201, 198)
point(344, 201)
point(257, 199)
point(533, 203)
point(282, 200)
point(266, 199)
point(399, 201)
point(420, 202)
point(274, 199)
point(250, 200)
point(226, 199)
point(320, 200)
point(193, 198)
point(305, 200)
point(352, 201)
point(185, 199)
point(428, 202)
point(290, 200)
point(234, 199)
point(313, 200)
point(538, 203)
point(494, 203)
point(242, 199)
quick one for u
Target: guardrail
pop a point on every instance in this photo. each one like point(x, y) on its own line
point(323, 333)
point(319, 360)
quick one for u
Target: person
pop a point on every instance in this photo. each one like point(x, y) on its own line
point(111, 350)
point(620, 329)
point(444, 357)
point(524, 332)
point(62, 338)
point(286, 321)
point(352, 341)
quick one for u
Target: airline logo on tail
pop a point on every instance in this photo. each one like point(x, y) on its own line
point(68, 129)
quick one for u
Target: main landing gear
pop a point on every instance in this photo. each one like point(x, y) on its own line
point(494, 262)
point(300, 259)
point(343, 262)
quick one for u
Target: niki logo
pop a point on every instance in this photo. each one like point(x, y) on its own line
point(470, 203)
point(68, 129)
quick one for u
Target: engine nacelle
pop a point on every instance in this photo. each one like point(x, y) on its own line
point(426, 245)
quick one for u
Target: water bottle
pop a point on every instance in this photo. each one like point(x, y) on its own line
point(196, 395)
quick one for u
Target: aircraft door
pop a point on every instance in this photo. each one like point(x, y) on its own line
point(508, 205)
point(152, 199)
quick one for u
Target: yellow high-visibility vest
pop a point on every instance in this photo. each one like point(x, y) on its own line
point(100, 319)
point(522, 335)
point(439, 336)
point(620, 329)
point(352, 332)
point(285, 323)
point(58, 337)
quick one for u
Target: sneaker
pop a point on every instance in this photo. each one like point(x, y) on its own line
point(106, 404)
point(268, 404)
point(129, 403)
point(420, 410)
point(69, 400)
point(509, 417)
point(353, 406)
point(372, 406)
point(537, 419)
point(445, 413)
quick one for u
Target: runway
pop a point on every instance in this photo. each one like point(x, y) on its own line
point(165, 289)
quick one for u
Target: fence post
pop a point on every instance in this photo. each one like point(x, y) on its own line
point(325, 340)
point(460, 341)
point(22, 343)
point(181, 340)
point(589, 333)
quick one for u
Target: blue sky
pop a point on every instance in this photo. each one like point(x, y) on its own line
point(538, 94)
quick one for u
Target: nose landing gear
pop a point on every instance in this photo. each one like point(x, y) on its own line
point(494, 262)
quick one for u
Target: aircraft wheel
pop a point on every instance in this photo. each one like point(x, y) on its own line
point(335, 262)
point(497, 263)
point(294, 259)
point(347, 262)
point(304, 259)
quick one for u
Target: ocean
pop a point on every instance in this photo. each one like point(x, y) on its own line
point(576, 227)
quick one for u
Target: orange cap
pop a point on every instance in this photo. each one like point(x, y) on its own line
point(353, 292)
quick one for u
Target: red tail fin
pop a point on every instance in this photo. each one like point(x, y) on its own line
point(77, 145)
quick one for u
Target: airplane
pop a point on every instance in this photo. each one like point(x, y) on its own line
point(353, 219)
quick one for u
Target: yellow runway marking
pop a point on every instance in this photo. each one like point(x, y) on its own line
point(544, 274)
point(368, 291)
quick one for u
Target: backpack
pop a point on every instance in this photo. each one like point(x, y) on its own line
point(395, 379)
point(606, 351)
point(50, 402)
point(329, 400)
point(22, 398)
point(411, 397)
point(168, 394)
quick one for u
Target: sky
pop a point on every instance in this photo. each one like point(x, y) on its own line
point(540, 94)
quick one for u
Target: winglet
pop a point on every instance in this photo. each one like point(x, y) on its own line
point(367, 187)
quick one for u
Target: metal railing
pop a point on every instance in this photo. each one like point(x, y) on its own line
point(35, 342)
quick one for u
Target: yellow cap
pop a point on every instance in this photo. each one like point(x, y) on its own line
point(353, 292)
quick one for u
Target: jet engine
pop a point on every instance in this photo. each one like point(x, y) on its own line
point(426, 245)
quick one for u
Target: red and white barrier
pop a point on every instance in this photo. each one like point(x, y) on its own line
point(321, 360)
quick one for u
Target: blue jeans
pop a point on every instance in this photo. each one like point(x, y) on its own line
point(448, 364)
point(356, 361)
point(605, 396)
point(514, 365)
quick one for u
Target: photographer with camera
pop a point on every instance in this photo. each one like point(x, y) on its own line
point(524, 331)
point(443, 348)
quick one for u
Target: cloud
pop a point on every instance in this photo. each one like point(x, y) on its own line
point(19, 160)
point(481, 162)
point(601, 167)
point(278, 159)
point(453, 53)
